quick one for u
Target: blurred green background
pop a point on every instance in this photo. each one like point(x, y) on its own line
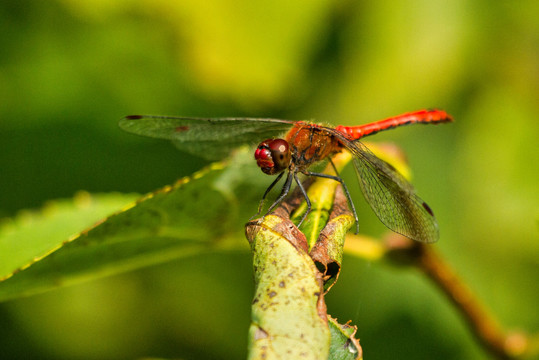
point(70, 70)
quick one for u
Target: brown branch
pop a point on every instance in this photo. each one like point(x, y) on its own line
point(482, 324)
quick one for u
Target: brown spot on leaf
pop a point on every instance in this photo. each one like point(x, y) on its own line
point(260, 333)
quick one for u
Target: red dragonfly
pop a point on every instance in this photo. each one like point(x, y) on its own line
point(392, 198)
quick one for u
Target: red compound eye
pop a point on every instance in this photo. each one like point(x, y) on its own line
point(273, 156)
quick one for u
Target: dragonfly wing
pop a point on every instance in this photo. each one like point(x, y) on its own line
point(391, 196)
point(211, 138)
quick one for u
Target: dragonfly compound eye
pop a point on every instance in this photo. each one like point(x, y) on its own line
point(273, 156)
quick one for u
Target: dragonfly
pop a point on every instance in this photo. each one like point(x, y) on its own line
point(291, 147)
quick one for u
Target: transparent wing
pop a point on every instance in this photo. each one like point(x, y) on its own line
point(391, 196)
point(212, 138)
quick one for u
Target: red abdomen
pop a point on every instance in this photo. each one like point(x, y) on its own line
point(422, 116)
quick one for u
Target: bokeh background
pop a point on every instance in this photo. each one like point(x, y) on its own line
point(69, 70)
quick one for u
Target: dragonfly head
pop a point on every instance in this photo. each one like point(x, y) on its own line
point(273, 156)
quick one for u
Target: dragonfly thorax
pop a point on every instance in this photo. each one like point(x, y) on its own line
point(273, 156)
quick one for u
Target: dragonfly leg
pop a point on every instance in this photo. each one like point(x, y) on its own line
point(334, 168)
point(284, 192)
point(307, 200)
point(346, 192)
point(261, 205)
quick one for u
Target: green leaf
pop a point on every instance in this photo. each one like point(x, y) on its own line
point(288, 312)
point(344, 346)
point(328, 251)
point(32, 235)
point(198, 213)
